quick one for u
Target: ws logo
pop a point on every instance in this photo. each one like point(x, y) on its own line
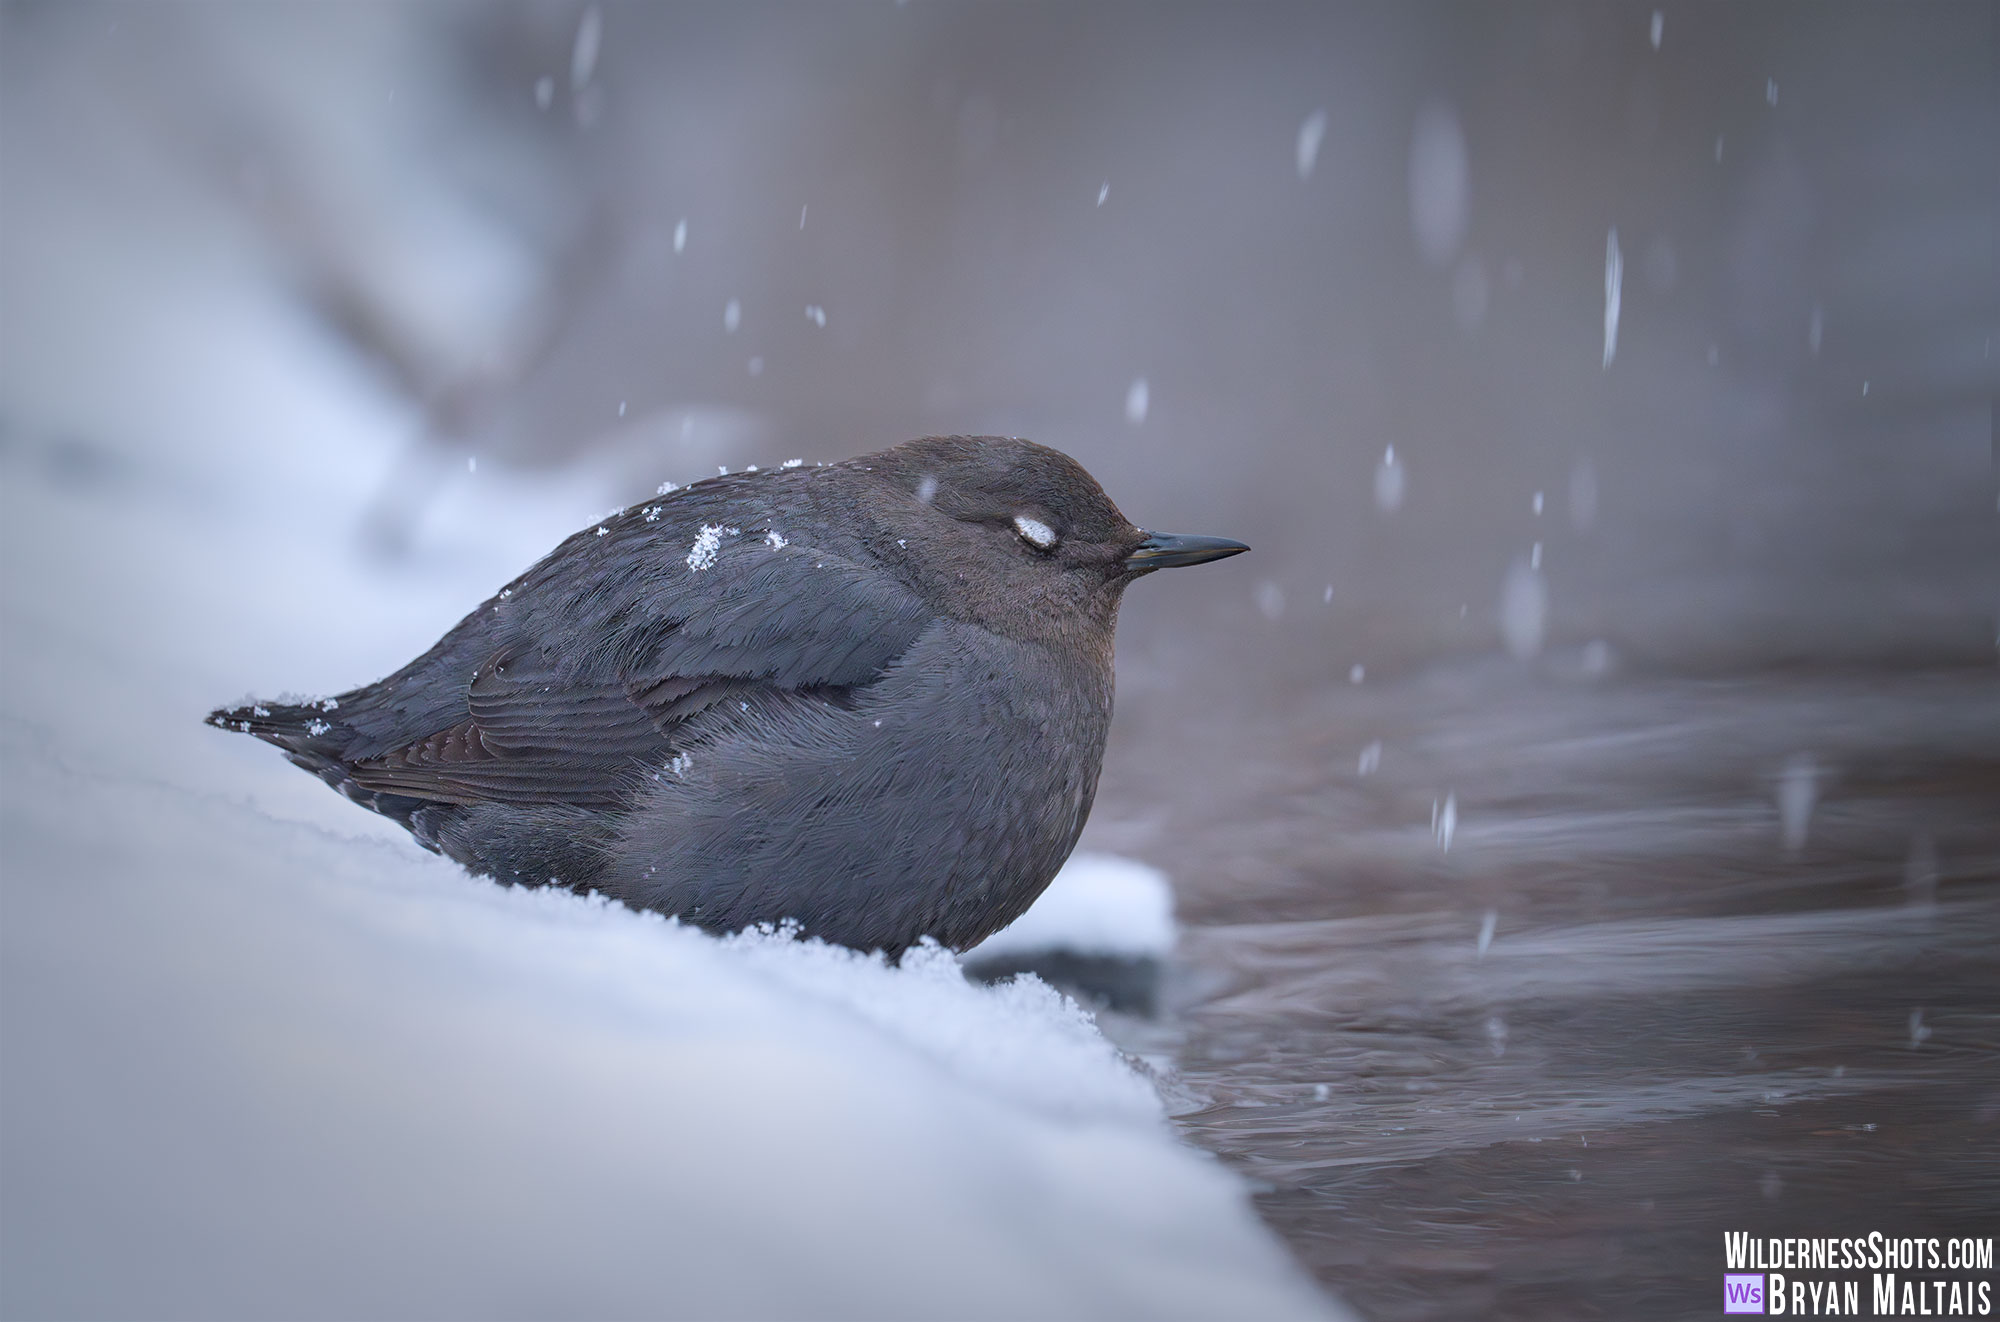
point(1743, 1292)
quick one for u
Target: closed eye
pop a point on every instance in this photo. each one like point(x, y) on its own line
point(1035, 533)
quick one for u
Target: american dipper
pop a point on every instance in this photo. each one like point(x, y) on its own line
point(870, 698)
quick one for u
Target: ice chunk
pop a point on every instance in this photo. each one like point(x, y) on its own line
point(1099, 904)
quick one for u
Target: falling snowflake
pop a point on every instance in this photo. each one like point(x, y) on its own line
point(1389, 482)
point(1138, 398)
point(1310, 134)
point(1614, 286)
point(1444, 821)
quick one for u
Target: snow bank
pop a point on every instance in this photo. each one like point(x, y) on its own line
point(256, 1068)
point(264, 1057)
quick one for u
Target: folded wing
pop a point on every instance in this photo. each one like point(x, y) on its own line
point(542, 722)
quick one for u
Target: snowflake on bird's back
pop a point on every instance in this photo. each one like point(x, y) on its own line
point(706, 543)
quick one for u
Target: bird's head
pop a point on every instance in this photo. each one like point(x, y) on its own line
point(1020, 534)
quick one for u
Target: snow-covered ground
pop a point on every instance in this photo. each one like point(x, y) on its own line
point(264, 1057)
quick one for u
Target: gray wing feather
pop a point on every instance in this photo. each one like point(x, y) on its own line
point(541, 720)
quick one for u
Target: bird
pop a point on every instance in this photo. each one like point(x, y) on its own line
point(866, 701)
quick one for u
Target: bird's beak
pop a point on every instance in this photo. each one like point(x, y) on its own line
point(1163, 550)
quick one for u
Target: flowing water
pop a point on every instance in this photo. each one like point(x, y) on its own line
point(1690, 956)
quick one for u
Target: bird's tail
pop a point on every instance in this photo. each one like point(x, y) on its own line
point(315, 738)
point(291, 726)
point(311, 734)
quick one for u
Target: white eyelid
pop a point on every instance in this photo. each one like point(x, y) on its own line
point(1035, 532)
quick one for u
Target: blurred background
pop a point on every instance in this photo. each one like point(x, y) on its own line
point(1607, 391)
point(1329, 278)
